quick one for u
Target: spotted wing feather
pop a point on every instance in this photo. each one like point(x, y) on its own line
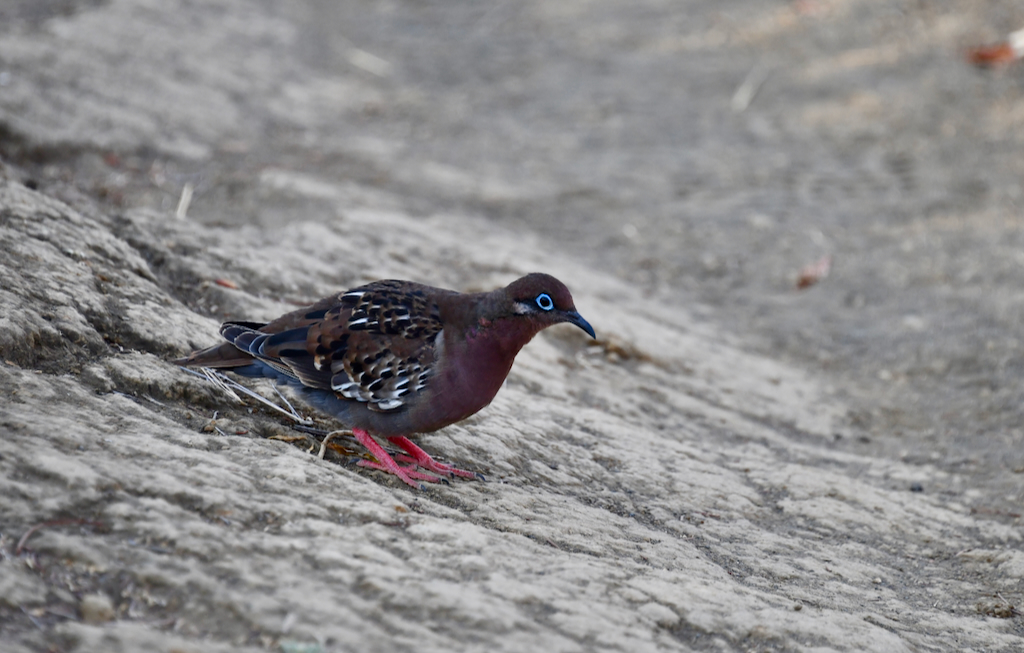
point(392, 308)
point(375, 344)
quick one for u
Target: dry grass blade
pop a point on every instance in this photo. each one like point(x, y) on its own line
point(232, 388)
point(216, 379)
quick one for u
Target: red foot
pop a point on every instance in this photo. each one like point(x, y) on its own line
point(424, 460)
point(417, 457)
point(385, 462)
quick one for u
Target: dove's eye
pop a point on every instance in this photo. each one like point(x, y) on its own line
point(544, 302)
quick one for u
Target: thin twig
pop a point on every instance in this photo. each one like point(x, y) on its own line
point(323, 443)
point(46, 524)
point(312, 430)
point(35, 622)
point(746, 91)
point(184, 201)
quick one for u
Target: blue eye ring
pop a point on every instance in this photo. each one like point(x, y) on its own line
point(545, 302)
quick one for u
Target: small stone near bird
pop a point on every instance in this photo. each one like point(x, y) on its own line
point(96, 608)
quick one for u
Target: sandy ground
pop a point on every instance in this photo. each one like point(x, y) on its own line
point(734, 465)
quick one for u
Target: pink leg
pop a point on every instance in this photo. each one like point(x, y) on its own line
point(424, 460)
point(385, 462)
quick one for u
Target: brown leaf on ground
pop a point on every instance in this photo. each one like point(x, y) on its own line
point(814, 272)
point(991, 56)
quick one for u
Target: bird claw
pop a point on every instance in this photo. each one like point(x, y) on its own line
point(415, 460)
point(423, 460)
point(404, 473)
point(438, 468)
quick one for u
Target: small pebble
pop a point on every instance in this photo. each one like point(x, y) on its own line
point(96, 608)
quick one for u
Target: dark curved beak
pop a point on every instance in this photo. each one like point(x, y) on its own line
point(572, 317)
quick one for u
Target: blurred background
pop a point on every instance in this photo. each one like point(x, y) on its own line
point(838, 183)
